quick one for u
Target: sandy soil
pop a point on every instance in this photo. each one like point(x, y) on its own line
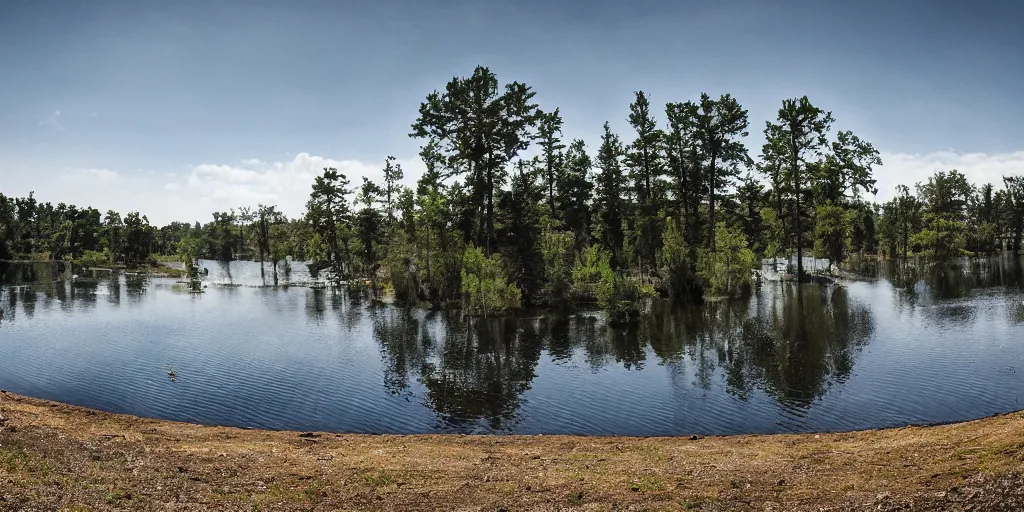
point(60, 457)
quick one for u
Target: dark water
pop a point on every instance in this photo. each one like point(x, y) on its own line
point(814, 358)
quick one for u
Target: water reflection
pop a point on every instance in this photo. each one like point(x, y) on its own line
point(857, 354)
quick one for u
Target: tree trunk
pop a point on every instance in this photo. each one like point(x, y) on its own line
point(490, 208)
point(796, 214)
point(551, 188)
point(711, 201)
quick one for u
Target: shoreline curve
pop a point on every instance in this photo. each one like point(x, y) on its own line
point(59, 456)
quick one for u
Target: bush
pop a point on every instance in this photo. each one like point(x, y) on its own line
point(726, 270)
point(91, 259)
point(485, 286)
point(590, 267)
point(622, 299)
point(557, 251)
point(674, 258)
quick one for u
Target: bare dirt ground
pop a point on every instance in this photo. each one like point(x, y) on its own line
point(60, 457)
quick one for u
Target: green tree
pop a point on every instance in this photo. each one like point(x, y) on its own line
point(575, 191)
point(726, 269)
point(520, 228)
point(369, 225)
point(138, 239)
point(945, 197)
point(549, 132)
point(796, 140)
point(609, 202)
point(329, 213)
point(1015, 208)
point(481, 129)
point(646, 165)
point(719, 126)
point(485, 286)
point(392, 188)
point(685, 167)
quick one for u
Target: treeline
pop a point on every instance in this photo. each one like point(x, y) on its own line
point(30, 230)
point(509, 213)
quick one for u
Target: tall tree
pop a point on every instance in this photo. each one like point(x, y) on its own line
point(328, 211)
point(267, 217)
point(720, 123)
point(574, 192)
point(392, 187)
point(368, 224)
point(945, 197)
point(646, 165)
point(549, 137)
point(797, 138)
point(609, 202)
point(846, 171)
point(683, 159)
point(482, 129)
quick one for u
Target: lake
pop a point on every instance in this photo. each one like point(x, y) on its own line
point(847, 356)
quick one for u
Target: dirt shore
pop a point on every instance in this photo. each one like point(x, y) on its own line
point(59, 457)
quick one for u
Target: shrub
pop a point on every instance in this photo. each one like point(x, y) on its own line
point(726, 270)
point(591, 265)
point(674, 258)
point(556, 249)
point(485, 286)
point(622, 299)
point(95, 259)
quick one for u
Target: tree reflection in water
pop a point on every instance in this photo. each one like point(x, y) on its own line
point(791, 342)
point(471, 370)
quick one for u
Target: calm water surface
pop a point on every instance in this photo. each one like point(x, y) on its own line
point(815, 358)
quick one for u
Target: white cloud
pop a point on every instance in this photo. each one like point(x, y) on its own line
point(908, 169)
point(198, 191)
point(194, 193)
point(53, 120)
point(97, 174)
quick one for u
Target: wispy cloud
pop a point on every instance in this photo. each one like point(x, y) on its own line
point(53, 120)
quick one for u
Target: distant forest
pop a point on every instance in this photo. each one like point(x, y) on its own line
point(678, 206)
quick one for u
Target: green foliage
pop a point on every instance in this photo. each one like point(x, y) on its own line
point(592, 265)
point(95, 259)
point(485, 287)
point(942, 240)
point(726, 270)
point(793, 150)
point(774, 233)
point(556, 248)
point(674, 258)
point(832, 232)
point(329, 214)
point(623, 299)
point(479, 128)
point(610, 201)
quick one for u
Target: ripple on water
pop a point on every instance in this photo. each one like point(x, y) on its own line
point(813, 359)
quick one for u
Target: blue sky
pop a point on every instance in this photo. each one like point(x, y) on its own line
point(179, 110)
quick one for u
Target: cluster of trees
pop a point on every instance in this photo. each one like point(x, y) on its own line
point(509, 213)
point(948, 217)
point(33, 230)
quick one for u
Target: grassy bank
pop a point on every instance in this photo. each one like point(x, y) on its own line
point(60, 457)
